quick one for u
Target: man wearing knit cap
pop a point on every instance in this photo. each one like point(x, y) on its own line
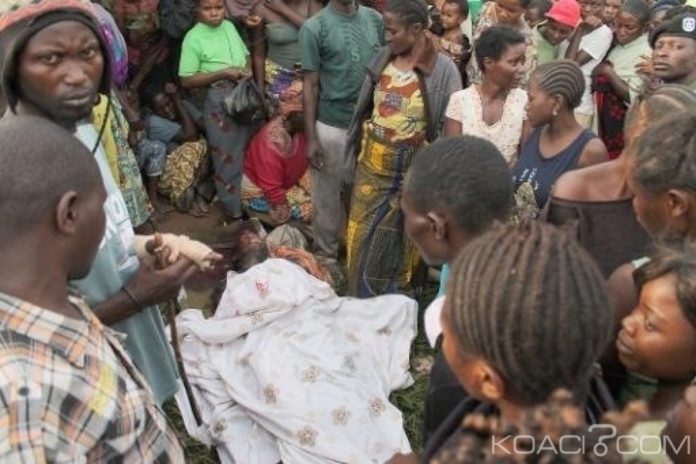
point(53, 65)
point(674, 50)
point(561, 21)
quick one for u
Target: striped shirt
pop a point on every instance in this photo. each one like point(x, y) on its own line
point(69, 392)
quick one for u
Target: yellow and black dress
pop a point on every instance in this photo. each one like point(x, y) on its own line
point(381, 259)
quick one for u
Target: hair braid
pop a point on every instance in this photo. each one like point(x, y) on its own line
point(561, 77)
point(530, 301)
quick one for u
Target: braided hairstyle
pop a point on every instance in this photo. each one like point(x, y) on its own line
point(546, 424)
point(410, 11)
point(530, 301)
point(561, 77)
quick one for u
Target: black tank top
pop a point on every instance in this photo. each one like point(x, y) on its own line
point(533, 175)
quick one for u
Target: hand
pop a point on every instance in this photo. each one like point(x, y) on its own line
point(280, 214)
point(151, 287)
point(252, 20)
point(645, 66)
point(170, 89)
point(315, 154)
point(235, 74)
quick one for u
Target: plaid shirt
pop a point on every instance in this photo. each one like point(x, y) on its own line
point(69, 393)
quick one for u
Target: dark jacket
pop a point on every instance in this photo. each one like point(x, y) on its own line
point(439, 78)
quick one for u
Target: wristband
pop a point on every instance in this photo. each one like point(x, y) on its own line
point(138, 305)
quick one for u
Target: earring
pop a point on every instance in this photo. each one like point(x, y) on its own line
point(555, 112)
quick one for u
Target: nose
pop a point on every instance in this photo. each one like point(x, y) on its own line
point(75, 74)
point(629, 325)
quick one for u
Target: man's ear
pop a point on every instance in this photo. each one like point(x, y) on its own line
point(437, 224)
point(66, 214)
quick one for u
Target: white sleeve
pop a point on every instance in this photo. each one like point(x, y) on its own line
point(454, 107)
point(597, 43)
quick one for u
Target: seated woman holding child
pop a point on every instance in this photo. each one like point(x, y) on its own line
point(276, 180)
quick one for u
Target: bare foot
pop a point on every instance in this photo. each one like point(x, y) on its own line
point(162, 208)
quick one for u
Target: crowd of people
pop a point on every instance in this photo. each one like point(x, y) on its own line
point(539, 156)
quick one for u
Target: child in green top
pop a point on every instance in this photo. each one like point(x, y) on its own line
point(213, 56)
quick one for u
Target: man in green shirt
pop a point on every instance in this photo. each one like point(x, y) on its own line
point(335, 45)
point(560, 22)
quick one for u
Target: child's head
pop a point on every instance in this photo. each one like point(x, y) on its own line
point(500, 55)
point(662, 176)
point(536, 12)
point(658, 339)
point(561, 21)
point(591, 9)
point(510, 11)
point(454, 190)
point(52, 194)
point(611, 9)
point(658, 12)
point(525, 313)
point(162, 105)
point(555, 87)
point(454, 13)
point(211, 12)
point(631, 21)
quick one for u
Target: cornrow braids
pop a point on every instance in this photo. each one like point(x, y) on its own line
point(529, 300)
point(410, 11)
point(665, 155)
point(561, 77)
point(546, 424)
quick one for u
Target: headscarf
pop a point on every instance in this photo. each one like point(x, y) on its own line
point(291, 99)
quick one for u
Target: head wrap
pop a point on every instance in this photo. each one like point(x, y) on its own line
point(20, 20)
point(683, 25)
point(639, 9)
point(118, 50)
point(291, 99)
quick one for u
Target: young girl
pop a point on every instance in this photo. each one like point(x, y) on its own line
point(214, 57)
point(657, 342)
point(453, 41)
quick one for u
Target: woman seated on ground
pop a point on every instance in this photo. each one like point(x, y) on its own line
point(173, 122)
point(557, 143)
point(616, 82)
point(493, 109)
point(276, 180)
point(564, 322)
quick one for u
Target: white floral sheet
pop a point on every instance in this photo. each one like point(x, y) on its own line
point(288, 371)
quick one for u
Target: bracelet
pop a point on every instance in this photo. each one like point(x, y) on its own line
point(138, 305)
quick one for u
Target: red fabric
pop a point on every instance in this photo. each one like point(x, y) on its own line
point(274, 161)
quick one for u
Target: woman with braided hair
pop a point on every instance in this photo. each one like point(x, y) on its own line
point(525, 314)
point(557, 142)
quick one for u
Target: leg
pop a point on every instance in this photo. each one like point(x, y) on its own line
point(154, 155)
point(326, 192)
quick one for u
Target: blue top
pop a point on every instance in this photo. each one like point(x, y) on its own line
point(534, 175)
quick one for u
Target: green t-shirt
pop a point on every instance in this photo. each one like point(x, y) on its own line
point(338, 47)
point(545, 50)
point(209, 49)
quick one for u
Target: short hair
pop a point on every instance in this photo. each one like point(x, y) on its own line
point(493, 42)
point(678, 259)
point(466, 175)
point(463, 6)
point(410, 11)
point(531, 301)
point(542, 5)
point(561, 77)
point(40, 162)
point(665, 155)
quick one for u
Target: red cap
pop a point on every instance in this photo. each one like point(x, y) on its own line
point(566, 12)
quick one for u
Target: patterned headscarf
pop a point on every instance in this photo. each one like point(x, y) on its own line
point(291, 99)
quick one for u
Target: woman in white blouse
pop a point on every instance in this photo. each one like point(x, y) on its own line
point(495, 109)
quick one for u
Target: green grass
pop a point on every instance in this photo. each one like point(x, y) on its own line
point(409, 401)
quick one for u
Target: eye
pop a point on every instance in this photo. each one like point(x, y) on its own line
point(50, 59)
point(89, 53)
point(647, 325)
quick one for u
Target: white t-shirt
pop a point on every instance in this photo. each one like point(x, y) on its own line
point(596, 44)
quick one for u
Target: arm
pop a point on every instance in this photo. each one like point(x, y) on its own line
point(154, 55)
point(453, 128)
point(573, 52)
point(619, 85)
point(205, 79)
point(258, 57)
point(149, 287)
point(594, 153)
point(189, 130)
point(310, 99)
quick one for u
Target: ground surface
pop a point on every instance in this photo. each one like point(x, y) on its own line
point(409, 401)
